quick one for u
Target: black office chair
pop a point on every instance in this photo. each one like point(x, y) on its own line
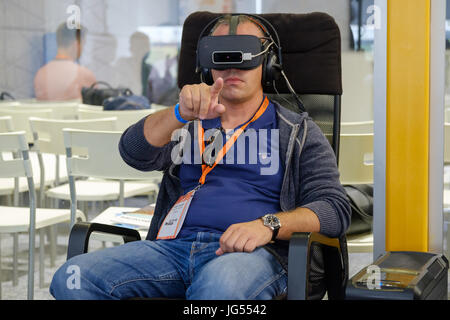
point(311, 52)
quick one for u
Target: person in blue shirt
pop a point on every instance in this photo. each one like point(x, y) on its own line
point(223, 216)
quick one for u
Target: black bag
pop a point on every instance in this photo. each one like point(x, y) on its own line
point(96, 96)
point(361, 201)
point(6, 94)
point(126, 102)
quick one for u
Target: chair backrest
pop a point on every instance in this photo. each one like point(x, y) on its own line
point(357, 127)
point(8, 103)
point(20, 118)
point(16, 143)
point(60, 110)
point(83, 106)
point(96, 154)
point(6, 124)
point(48, 136)
point(356, 165)
point(125, 118)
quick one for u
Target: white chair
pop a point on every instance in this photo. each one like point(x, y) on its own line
point(13, 187)
point(20, 118)
point(125, 118)
point(99, 158)
point(357, 127)
point(48, 138)
point(356, 167)
point(15, 219)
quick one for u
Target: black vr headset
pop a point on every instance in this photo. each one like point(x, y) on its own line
point(239, 51)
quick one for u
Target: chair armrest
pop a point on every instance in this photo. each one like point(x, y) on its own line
point(81, 232)
point(300, 261)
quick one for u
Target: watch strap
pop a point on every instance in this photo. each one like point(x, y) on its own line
point(275, 233)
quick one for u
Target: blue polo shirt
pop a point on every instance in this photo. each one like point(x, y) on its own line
point(244, 186)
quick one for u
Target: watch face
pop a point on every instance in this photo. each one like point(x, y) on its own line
point(271, 221)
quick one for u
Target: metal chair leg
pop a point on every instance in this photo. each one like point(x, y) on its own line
point(53, 244)
point(41, 257)
point(15, 280)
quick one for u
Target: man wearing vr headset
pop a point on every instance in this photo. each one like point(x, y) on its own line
point(219, 228)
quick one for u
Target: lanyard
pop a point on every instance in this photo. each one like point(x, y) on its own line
point(230, 142)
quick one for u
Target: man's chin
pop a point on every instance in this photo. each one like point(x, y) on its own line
point(234, 98)
point(234, 93)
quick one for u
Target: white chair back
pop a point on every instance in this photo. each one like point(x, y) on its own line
point(83, 106)
point(98, 156)
point(125, 118)
point(447, 142)
point(357, 127)
point(20, 118)
point(356, 158)
point(9, 103)
point(19, 167)
point(447, 114)
point(6, 124)
point(60, 110)
point(48, 136)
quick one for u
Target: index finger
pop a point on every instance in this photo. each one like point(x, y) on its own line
point(216, 87)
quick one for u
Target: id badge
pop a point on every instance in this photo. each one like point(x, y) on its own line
point(174, 220)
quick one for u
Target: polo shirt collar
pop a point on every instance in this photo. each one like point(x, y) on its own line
point(267, 119)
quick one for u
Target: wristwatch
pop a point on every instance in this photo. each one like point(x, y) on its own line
point(271, 221)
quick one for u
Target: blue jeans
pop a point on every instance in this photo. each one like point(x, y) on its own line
point(181, 268)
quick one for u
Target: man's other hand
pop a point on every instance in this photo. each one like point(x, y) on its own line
point(244, 237)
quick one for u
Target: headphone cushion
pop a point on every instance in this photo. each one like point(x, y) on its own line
point(270, 71)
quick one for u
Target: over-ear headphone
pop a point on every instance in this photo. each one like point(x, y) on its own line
point(272, 63)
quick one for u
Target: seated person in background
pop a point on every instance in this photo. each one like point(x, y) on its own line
point(159, 88)
point(63, 78)
point(237, 214)
point(132, 71)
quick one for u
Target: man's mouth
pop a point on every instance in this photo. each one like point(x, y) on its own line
point(232, 80)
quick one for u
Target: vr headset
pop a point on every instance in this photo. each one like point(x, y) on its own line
point(230, 51)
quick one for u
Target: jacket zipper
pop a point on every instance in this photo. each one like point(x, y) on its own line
point(289, 152)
